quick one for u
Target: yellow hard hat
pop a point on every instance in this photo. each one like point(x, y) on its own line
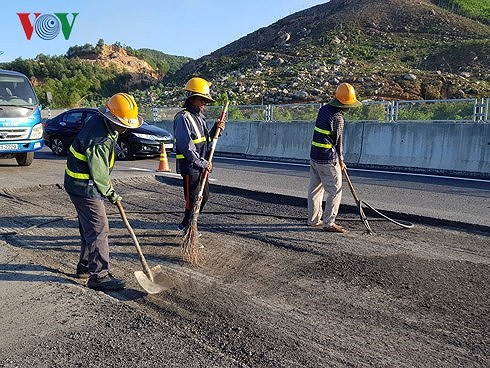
point(198, 87)
point(345, 96)
point(122, 110)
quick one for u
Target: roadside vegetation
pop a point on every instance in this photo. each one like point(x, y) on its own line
point(71, 81)
point(476, 9)
point(75, 81)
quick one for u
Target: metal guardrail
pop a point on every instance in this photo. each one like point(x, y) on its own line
point(460, 110)
point(450, 110)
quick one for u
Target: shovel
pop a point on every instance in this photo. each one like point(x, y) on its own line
point(152, 280)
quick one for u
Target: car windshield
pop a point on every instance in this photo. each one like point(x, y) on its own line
point(16, 90)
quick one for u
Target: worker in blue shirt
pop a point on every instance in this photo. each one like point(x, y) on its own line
point(327, 160)
point(193, 143)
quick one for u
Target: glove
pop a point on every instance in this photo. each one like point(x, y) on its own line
point(210, 166)
point(114, 198)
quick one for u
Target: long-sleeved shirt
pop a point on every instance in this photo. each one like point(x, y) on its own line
point(326, 145)
point(90, 160)
point(192, 139)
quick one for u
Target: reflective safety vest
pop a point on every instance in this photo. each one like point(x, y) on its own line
point(200, 138)
point(324, 138)
point(78, 178)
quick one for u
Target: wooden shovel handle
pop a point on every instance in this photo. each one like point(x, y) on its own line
point(146, 269)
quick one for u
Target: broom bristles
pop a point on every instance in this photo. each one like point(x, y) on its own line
point(190, 243)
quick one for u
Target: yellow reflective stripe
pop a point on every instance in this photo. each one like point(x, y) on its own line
point(323, 131)
point(179, 157)
point(78, 155)
point(199, 140)
point(321, 145)
point(77, 175)
point(84, 158)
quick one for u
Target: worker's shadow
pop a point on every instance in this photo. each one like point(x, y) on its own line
point(36, 273)
point(29, 273)
point(126, 294)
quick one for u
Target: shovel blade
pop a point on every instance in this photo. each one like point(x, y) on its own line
point(160, 281)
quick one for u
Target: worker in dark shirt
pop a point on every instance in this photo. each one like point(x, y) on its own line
point(327, 161)
point(193, 143)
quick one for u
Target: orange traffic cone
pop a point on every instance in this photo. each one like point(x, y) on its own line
point(163, 165)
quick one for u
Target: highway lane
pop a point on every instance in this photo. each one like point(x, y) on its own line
point(454, 199)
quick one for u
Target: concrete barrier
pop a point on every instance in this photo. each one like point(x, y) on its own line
point(236, 139)
point(435, 147)
point(353, 135)
point(280, 140)
point(446, 148)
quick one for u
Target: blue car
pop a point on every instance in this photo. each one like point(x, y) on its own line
point(146, 141)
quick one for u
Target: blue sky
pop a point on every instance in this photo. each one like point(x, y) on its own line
point(192, 28)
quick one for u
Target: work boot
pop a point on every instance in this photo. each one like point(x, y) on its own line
point(317, 225)
point(334, 228)
point(82, 271)
point(106, 283)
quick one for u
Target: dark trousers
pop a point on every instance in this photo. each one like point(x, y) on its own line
point(94, 232)
point(191, 190)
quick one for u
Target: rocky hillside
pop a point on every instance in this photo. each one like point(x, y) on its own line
point(388, 49)
point(142, 73)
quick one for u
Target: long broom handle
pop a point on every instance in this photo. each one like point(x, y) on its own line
point(218, 131)
point(146, 269)
point(213, 148)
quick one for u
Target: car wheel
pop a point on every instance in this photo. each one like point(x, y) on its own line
point(57, 146)
point(124, 151)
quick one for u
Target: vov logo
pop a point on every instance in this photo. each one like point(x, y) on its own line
point(47, 26)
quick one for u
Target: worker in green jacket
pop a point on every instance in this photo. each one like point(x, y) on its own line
point(87, 180)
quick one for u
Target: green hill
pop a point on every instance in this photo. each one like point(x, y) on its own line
point(88, 74)
point(164, 63)
point(388, 49)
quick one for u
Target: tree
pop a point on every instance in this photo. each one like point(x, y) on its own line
point(100, 44)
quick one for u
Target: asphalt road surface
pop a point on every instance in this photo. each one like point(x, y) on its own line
point(272, 292)
point(454, 199)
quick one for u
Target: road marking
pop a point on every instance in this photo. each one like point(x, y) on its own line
point(136, 169)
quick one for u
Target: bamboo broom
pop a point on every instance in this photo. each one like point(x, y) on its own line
point(190, 243)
